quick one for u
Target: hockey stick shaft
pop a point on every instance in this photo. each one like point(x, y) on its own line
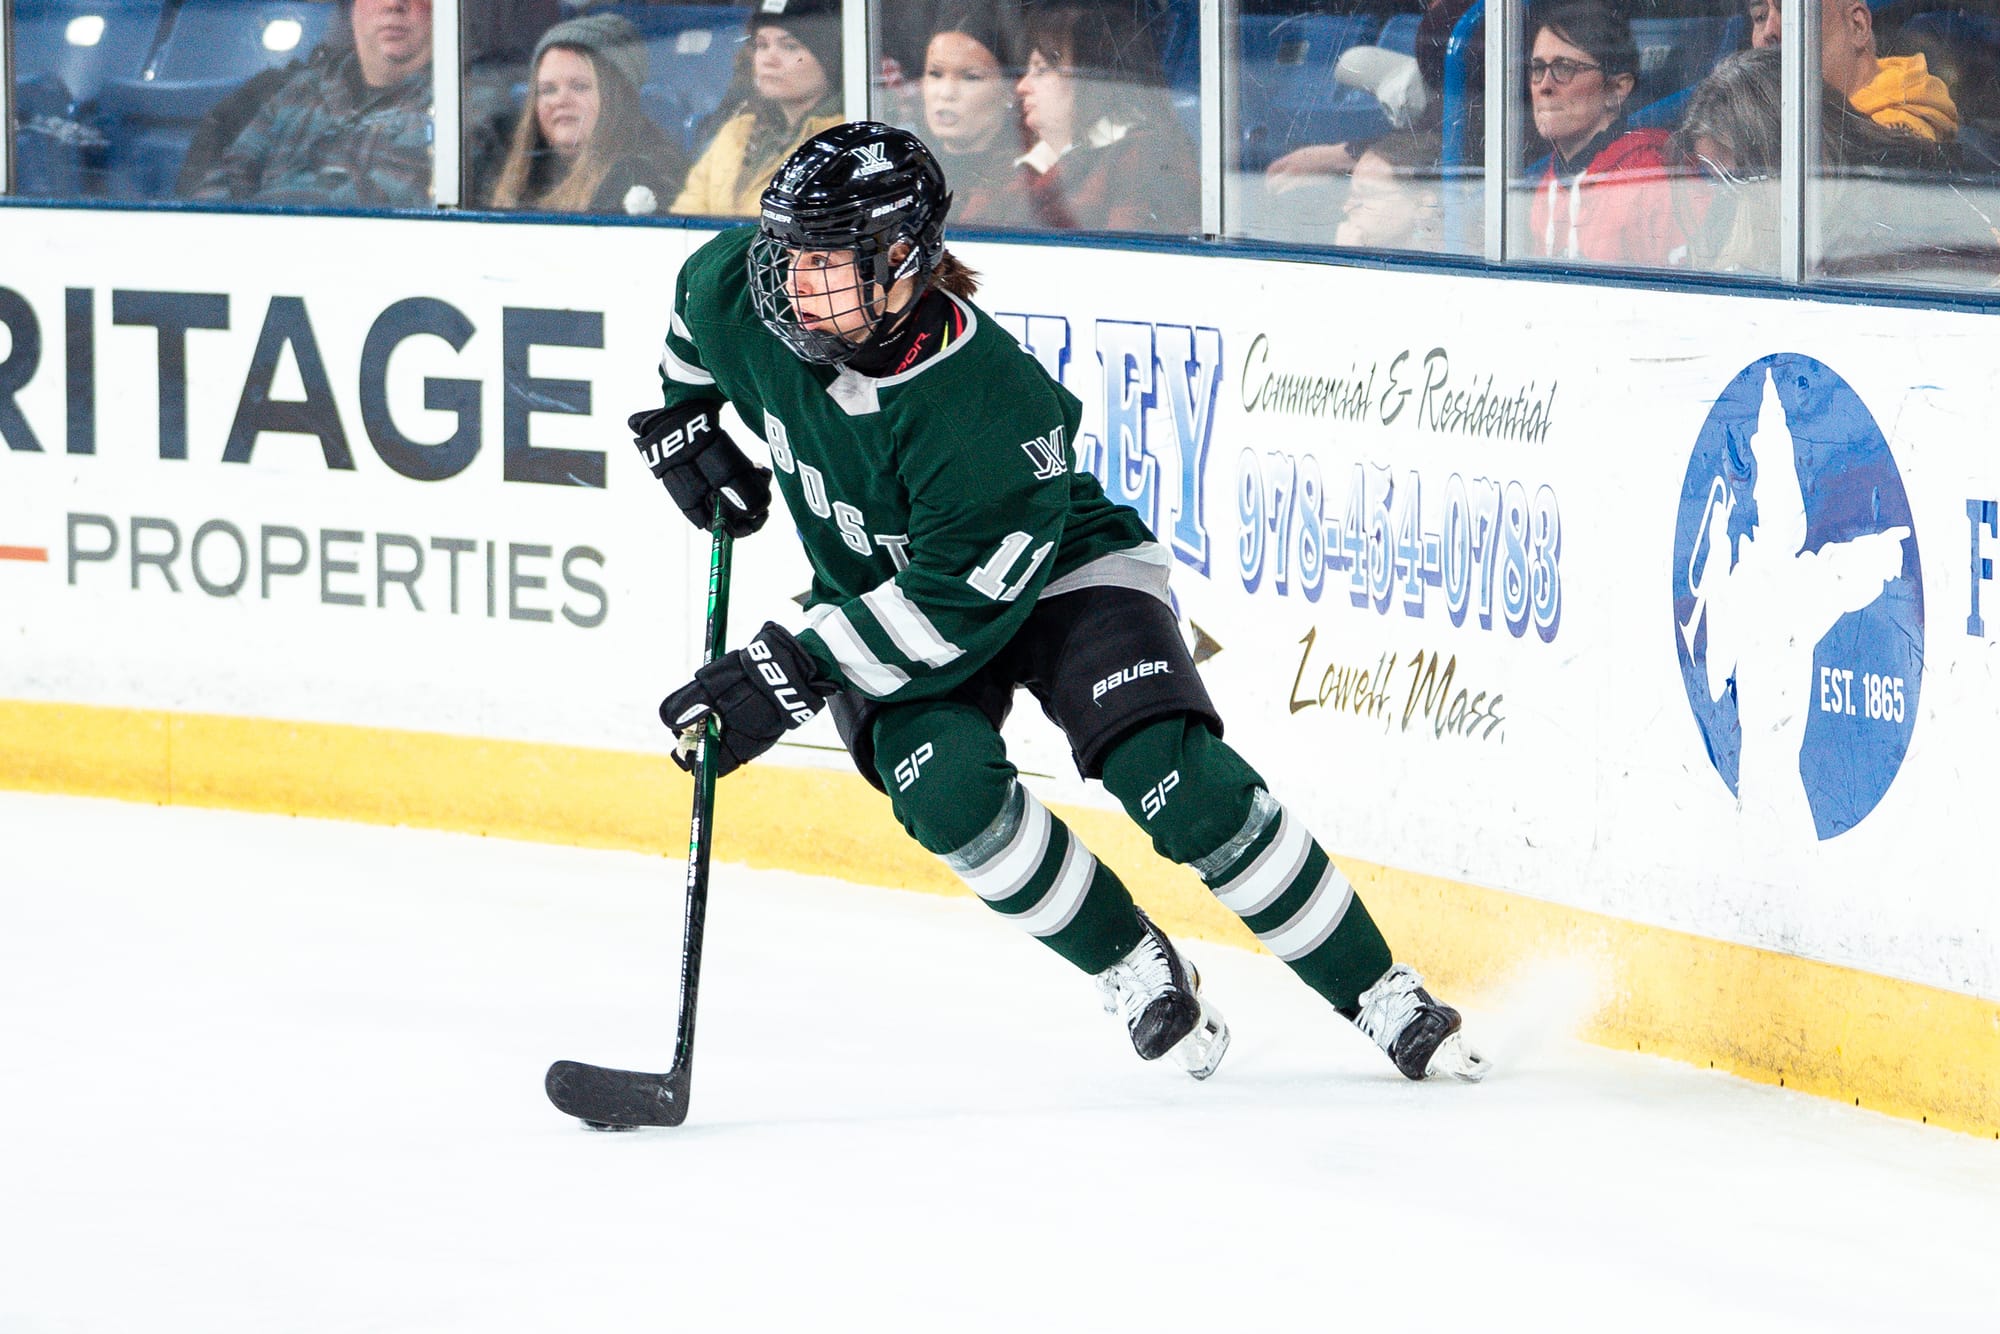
point(608, 1099)
point(701, 821)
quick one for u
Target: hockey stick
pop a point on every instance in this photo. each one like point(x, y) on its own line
point(606, 1099)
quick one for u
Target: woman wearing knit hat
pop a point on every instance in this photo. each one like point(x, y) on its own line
point(584, 144)
point(795, 67)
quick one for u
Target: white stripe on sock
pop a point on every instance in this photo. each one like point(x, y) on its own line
point(1004, 873)
point(1058, 908)
point(1312, 924)
point(1260, 883)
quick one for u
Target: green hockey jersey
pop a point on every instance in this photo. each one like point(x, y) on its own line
point(936, 505)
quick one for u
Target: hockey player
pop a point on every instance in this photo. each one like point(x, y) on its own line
point(924, 457)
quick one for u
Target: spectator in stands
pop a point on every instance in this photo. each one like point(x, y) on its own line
point(583, 143)
point(1729, 133)
point(970, 121)
point(1411, 91)
point(1896, 92)
point(903, 33)
point(1899, 93)
point(1889, 205)
point(1886, 203)
point(1763, 16)
point(1393, 198)
point(1109, 151)
point(1605, 194)
point(353, 131)
point(795, 68)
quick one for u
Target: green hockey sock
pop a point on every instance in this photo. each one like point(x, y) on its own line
point(1278, 879)
point(1028, 866)
point(1204, 806)
point(953, 789)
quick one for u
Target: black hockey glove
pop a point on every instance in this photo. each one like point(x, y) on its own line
point(691, 454)
point(757, 693)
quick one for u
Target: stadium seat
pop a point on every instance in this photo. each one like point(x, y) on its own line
point(691, 67)
point(1177, 37)
point(212, 47)
point(1662, 114)
point(226, 41)
point(82, 43)
point(50, 145)
point(1464, 81)
point(1400, 33)
point(1288, 97)
point(1675, 54)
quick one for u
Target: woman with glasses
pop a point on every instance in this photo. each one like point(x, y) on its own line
point(1605, 194)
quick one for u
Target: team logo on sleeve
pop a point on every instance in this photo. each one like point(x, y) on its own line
point(1048, 454)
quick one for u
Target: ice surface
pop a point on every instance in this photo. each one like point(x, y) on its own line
point(282, 1076)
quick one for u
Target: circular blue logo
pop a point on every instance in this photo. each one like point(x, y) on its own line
point(1798, 598)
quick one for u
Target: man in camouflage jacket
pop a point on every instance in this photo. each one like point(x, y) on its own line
point(350, 130)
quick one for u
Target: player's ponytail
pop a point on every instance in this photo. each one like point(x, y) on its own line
point(951, 275)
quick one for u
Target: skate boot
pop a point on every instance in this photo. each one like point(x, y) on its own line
point(1420, 1035)
point(1159, 994)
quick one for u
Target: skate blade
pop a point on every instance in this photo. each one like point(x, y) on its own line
point(1203, 1048)
point(1453, 1057)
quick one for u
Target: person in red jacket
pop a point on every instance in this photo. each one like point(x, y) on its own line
point(1606, 193)
point(1109, 154)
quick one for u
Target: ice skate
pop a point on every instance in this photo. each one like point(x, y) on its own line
point(1159, 994)
point(1420, 1035)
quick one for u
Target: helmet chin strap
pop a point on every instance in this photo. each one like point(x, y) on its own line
point(883, 327)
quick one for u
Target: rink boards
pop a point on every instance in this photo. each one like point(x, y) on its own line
point(1493, 580)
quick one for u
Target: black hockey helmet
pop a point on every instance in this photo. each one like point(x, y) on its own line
point(862, 187)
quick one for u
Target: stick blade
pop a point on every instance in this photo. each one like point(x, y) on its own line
point(620, 1099)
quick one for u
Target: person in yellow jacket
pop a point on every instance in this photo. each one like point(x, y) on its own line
point(1896, 92)
point(795, 69)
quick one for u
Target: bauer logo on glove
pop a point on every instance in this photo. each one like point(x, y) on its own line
point(755, 694)
point(694, 458)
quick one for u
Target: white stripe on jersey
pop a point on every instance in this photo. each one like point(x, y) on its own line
point(682, 372)
point(1142, 568)
point(909, 629)
point(858, 663)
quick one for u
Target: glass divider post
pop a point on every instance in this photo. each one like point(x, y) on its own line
point(1212, 56)
point(447, 101)
point(854, 71)
point(1799, 62)
point(7, 97)
point(1503, 130)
